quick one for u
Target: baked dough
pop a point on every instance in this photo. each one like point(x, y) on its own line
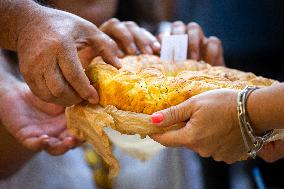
point(142, 86)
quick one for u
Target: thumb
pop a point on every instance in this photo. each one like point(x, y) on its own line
point(173, 115)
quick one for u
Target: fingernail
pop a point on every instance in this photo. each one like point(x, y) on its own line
point(132, 49)
point(94, 99)
point(157, 118)
point(148, 50)
point(120, 53)
point(157, 45)
point(117, 62)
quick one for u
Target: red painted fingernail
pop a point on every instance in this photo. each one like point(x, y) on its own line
point(157, 118)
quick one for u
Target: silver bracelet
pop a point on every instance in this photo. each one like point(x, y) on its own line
point(247, 132)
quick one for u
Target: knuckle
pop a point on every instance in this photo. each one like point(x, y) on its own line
point(59, 41)
point(59, 91)
point(192, 143)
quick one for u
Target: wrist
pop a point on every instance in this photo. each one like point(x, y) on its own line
point(256, 113)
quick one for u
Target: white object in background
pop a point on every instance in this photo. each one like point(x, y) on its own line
point(174, 48)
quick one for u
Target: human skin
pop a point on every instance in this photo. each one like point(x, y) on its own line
point(95, 11)
point(211, 124)
point(42, 126)
point(46, 41)
point(28, 124)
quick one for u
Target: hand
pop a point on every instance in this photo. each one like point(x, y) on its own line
point(130, 38)
point(47, 49)
point(37, 125)
point(199, 47)
point(212, 127)
point(272, 151)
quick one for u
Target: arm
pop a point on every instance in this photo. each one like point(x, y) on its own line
point(15, 15)
point(266, 108)
point(47, 41)
point(213, 128)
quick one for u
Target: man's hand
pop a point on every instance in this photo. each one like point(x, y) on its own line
point(47, 48)
point(199, 47)
point(212, 127)
point(130, 38)
point(37, 125)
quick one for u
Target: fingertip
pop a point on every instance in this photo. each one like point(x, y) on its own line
point(94, 97)
point(156, 45)
point(44, 140)
point(117, 62)
point(156, 48)
point(69, 142)
point(120, 53)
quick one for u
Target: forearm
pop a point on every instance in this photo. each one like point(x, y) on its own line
point(266, 108)
point(15, 15)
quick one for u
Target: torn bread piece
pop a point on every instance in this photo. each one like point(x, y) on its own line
point(87, 122)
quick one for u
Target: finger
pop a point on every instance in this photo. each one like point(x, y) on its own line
point(49, 108)
point(173, 138)
point(143, 39)
point(178, 28)
point(28, 132)
point(35, 144)
point(56, 147)
point(154, 43)
point(163, 34)
point(272, 151)
point(68, 139)
point(34, 75)
point(195, 37)
point(73, 72)
point(173, 115)
point(105, 47)
point(59, 87)
point(120, 33)
point(213, 52)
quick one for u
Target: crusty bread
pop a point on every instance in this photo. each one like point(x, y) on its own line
point(142, 86)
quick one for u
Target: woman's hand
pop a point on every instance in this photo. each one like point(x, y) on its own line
point(130, 38)
point(199, 46)
point(47, 48)
point(37, 125)
point(212, 127)
point(272, 151)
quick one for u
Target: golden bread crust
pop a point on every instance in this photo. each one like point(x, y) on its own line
point(143, 84)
